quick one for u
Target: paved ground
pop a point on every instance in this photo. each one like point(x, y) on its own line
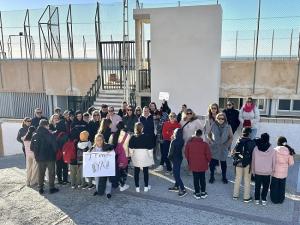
point(22, 205)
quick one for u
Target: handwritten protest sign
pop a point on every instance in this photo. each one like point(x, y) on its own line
point(99, 164)
point(164, 96)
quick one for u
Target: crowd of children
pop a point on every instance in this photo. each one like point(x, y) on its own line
point(135, 137)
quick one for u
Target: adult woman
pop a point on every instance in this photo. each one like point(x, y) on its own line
point(249, 116)
point(190, 124)
point(138, 112)
point(78, 125)
point(232, 116)
point(141, 152)
point(93, 125)
point(53, 121)
point(148, 125)
point(167, 132)
point(213, 110)
point(120, 140)
point(23, 131)
point(220, 139)
point(105, 129)
point(129, 120)
point(284, 158)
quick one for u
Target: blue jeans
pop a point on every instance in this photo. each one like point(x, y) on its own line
point(253, 133)
point(164, 154)
point(176, 174)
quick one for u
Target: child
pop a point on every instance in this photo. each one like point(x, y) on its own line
point(175, 156)
point(198, 155)
point(83, 145)
point(242, 156)
point(31, 164)
point(103, 184)
point(263, 165)
point(284, 158)
point(120, 141)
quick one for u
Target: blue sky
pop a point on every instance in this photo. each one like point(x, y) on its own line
point(281, 15)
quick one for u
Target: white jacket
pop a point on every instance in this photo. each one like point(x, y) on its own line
point(190, 128)
point(253, 116)
point(141, 157)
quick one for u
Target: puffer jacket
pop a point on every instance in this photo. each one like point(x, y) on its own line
point(263, 159)
point(283, 161)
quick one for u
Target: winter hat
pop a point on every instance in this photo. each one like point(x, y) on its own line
point(84, 136)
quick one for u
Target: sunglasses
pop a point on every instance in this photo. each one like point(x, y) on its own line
point(28, 121)
point(189, 113)
point(221, 118)
point(38, 112)
point(96, 115)
point(229, 104)
point(214, 108)
point(129, 110)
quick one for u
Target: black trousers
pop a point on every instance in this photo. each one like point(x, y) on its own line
point(61, 171)
point(212, 166)
point(122, 176)
point(263, 181)
point(137, 176)
point(277, 190)
point(199, 178)
point(164, 149)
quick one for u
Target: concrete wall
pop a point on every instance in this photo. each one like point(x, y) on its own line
point(274, 79)
point(185, 54)
point(17, 77)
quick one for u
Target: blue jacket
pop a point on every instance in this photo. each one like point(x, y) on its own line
point(148, 124)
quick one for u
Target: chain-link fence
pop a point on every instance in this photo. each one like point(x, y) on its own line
point(49, 33)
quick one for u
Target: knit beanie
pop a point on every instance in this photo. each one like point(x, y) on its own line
point(84, 136)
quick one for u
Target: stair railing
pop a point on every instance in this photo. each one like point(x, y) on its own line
point(89, 99)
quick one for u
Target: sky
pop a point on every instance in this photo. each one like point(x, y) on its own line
point(281, 15)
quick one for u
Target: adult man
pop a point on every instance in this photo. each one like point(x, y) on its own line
point(38, 115)
point(183, 109)
point(104, 111)
point(44, 147)
point(122, 112)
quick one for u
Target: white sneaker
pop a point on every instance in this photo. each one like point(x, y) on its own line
point(256, 202)
point(125, 187)
point(146, 189)
point(137, 189)
point(264, 203)
point(159, 168)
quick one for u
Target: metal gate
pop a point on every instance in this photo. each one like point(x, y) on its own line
point(111, 65)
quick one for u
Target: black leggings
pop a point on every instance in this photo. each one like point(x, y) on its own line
point(212, 166)
point(137, 176)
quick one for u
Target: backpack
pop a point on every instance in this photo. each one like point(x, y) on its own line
point(61, 139)
point(69, 151)
point(243, 154)
point(122, 160)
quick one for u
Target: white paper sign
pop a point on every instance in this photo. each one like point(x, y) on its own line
point(99, 164)
point(164, 96)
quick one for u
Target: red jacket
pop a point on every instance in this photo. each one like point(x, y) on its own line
point(198, 154)
point(168, 129)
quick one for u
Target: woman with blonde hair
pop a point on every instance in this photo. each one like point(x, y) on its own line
point(213, 110)
point(105, 129)
point(53, 121)
point(219, 138)
point(141, 152)
point(23, 131)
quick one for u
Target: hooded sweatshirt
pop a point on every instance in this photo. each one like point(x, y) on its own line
point(283, 161)
point(82, 146)
point(263, 159)
point(175, 153)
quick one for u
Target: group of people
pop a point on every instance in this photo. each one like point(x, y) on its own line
point(136, 135)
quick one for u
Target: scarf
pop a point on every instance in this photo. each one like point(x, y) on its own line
point(248, 108)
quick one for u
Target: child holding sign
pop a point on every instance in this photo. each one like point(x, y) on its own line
point(103, 184)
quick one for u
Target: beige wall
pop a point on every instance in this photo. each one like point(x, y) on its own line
point(56, 76)
point(274, 79)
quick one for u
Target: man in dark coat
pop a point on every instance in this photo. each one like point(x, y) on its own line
point(38, 115)
point(44, 146)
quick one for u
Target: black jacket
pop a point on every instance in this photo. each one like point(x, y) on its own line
point(22, 132)
point(129, 122)
point(244, 148)
point(175, 153)
point(232, 118)
point(141, 141)
point(148, 124)
point(36, 121)
point(44, 145)
point(93, 127)
point(77, 127)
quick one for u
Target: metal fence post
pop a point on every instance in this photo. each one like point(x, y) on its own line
point(272, 47)
point(291, 43)
point(236, 43)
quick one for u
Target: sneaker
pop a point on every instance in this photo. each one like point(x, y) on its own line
point(235, 198)
point(173, 189)
point(146, 189)
point(137, 190)
point(125, 187)
point(95, 193)
point(256, 202)
point(264, 203)
point(79, 186)
point(159, 168)
point(73, 187)
point(225, 181)
point(197, 196)
point(108, 196)
point(53, 190)
point(248, 200)
point(92, 186)
point(168, 173)
point(85, 186)
point(65, 182)
point(211, 180)
point(41, 191)
point(182, 193)
point(204, 195)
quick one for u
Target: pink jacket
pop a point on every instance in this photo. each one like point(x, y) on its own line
point(263, 162)
point(283, 161)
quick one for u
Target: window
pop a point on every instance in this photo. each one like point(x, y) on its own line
point(284, 104)
point(296, 105)
point(261, 104)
